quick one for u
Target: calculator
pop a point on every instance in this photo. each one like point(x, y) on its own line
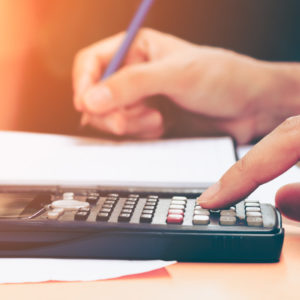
point(134, 223)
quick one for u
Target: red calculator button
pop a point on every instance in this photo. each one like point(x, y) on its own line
point(176, 212)
point(174, 219)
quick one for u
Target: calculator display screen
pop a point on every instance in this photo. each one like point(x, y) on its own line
point(12, 205)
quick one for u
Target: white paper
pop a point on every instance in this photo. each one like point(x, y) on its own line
point(27, 158)
point(18, 270)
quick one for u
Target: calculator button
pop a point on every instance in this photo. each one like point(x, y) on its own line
point(179, 198)
point(110, 201)
point(81, 216)
point(54, 214)
point(69, 205)
point(94, 195)
point(128, 206)
point(253, 209)
point(151, 202)
point(149, 207)
point(148, 211)
point(198, 207)
point(105, 210)
point(201, 220)
point(102, 216)
point(105, 205)
point(227, 220)
point(215, 211)
point(252, 204)
point(146, 218)
point(229, 212)
point(153, 197)
point(130, 203)
point(176, 212)
point(232, 208)
point(126, 211)
point(174, 219)
point(178, 202)
point(254, 221)
point(68, 196)
point(124, 217)
point(111, 198)
point(133, 196)
point(114, 195)
point(175, 206)
point(253, 214)
point(132, 199)
point(204, 212)
point(251, 201)
point(92, 200)
point(85, 209)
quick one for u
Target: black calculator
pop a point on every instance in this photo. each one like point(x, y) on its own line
point(134, 223)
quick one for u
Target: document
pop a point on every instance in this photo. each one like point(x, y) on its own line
point(43, 159)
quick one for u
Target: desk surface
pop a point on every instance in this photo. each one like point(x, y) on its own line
point(195, 280)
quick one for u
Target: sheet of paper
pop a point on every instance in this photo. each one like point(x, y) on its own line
point(18, 270)
point(27, 158)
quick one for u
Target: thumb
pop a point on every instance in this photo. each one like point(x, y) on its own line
point(288, 200)
point(126, 87)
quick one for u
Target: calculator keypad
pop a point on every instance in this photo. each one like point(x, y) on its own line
point(151, 209)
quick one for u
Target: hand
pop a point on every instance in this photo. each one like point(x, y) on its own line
point(272, 156)
point(230, 92)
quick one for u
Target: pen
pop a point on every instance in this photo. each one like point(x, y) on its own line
point(131, 32)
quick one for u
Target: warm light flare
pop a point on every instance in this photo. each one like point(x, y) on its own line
point(17, 26)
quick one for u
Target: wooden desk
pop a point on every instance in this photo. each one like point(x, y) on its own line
point(184, 280)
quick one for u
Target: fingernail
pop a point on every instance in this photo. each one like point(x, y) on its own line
point(209, 193)
point(96, 99)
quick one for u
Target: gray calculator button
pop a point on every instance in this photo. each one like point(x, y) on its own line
point(251, 201)
point(178, 202)
point(257, 209)
point(227, 220)
point(232, 208)
point(253, 214)
point(179, 198)
point(204, 212)
point(68, 196)
point(176, 206)
point(252, 204)
point(254, 221)
point(197, 207)
point(230, 213)
point(200, 220)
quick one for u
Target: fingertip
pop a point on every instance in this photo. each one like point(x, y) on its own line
point(209, 199)
point(287, 200)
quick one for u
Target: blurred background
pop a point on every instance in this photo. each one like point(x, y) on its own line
point(39, 38)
